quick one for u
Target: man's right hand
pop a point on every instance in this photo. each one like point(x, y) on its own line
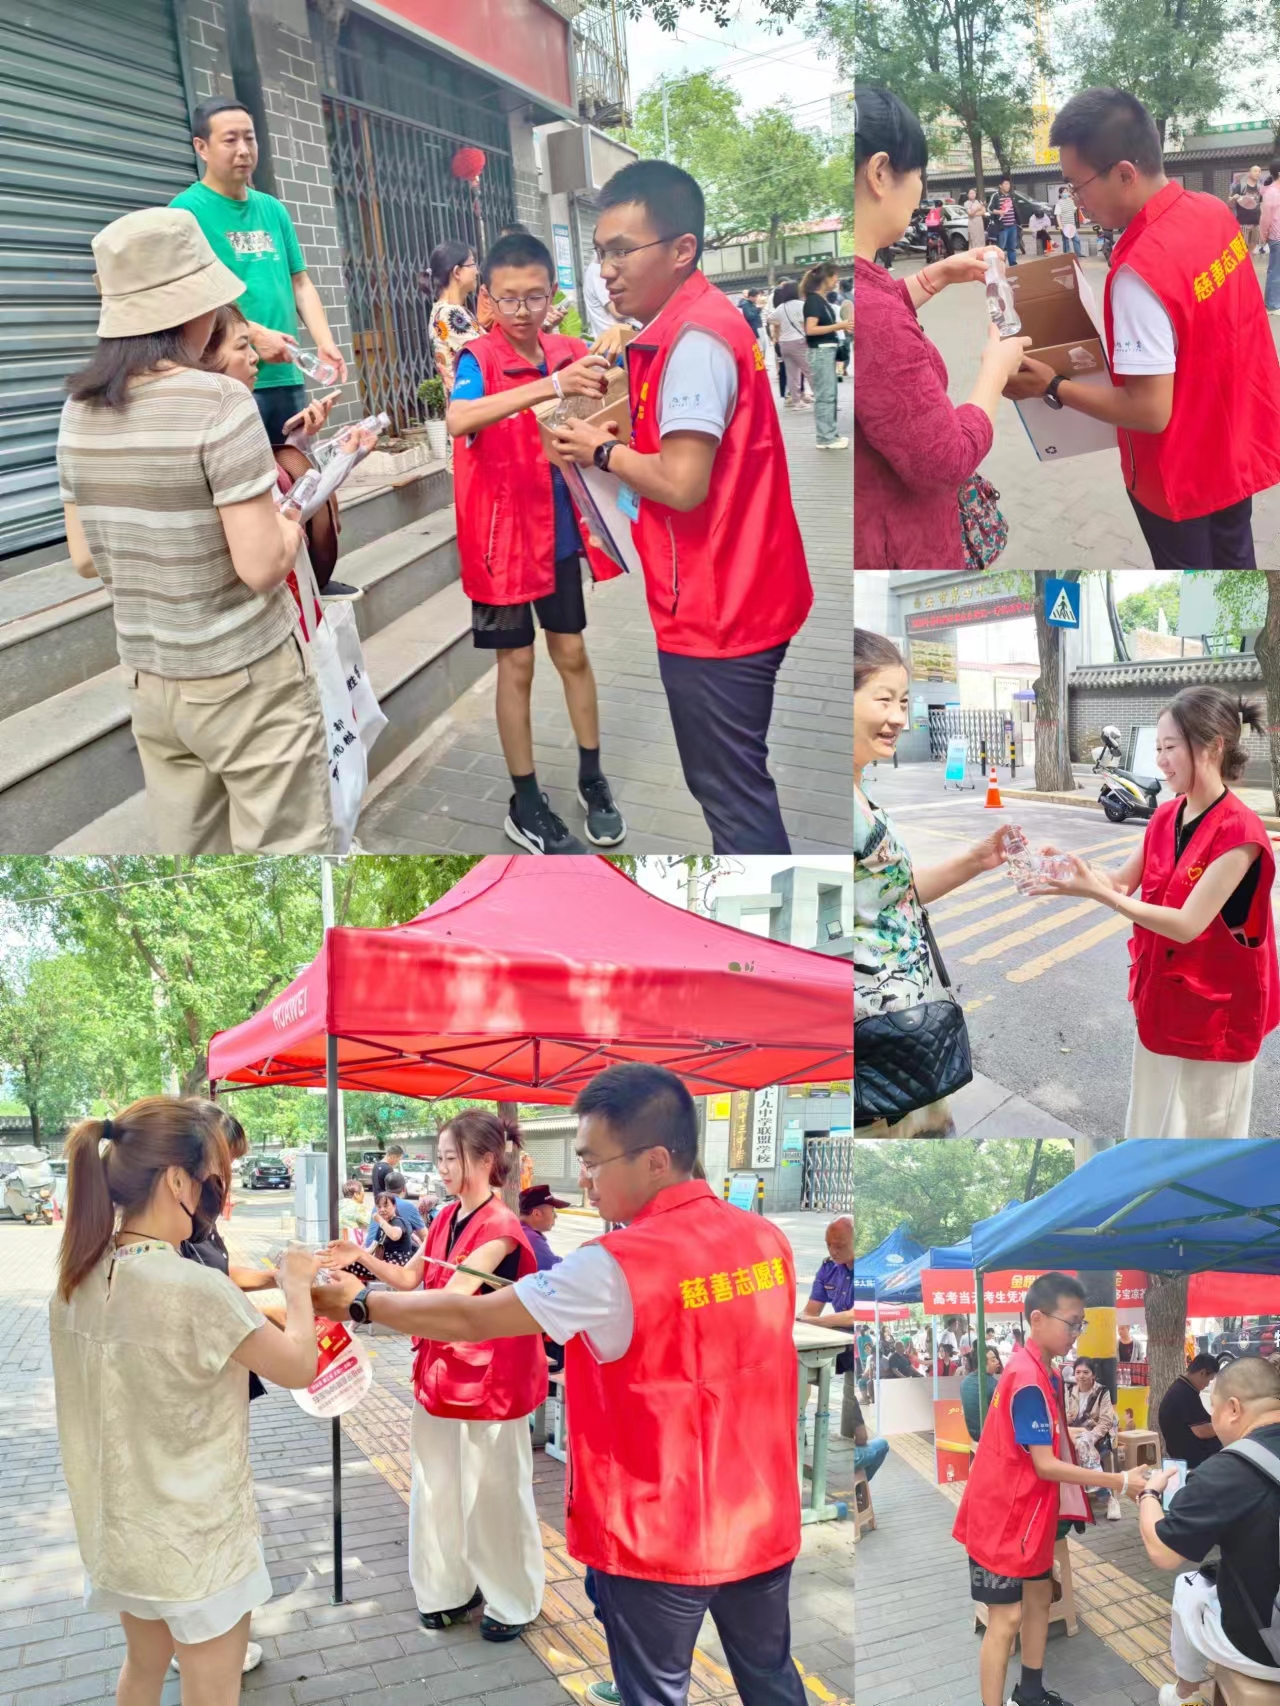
point(587, 377)
point(271, 346)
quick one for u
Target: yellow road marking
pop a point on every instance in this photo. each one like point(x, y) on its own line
point(1032, 933)
point(952, 938)
point(972, 1006)
point(1067, 951)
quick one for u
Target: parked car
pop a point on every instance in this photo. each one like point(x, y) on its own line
point(267, 1173)
point(363, 1169)
point(1023, 205)
point(955, 225)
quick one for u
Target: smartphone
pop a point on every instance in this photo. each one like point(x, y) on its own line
point(1177, 1464)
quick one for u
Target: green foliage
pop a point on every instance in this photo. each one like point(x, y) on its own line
point(52, 1041)
point(431, 392)
point(667, 13)
point(1177, 56)
point(941, 1189)
point(1142, 609)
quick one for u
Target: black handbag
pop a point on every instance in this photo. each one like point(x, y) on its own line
point(912, 1057)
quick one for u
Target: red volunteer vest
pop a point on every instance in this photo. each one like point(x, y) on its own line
point(1222, 442)
point(490, 1382)
point(1210, 999)
point(502, 485)
point(1008, 1516)
point(683, 1451)
point(728, 578)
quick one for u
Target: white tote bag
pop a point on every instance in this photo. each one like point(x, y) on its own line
point(370, 718)
point(348, 761)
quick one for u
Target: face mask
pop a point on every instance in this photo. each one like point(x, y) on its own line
point(209, 1207)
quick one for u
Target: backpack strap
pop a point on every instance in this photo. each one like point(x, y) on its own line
point(1259, 1456)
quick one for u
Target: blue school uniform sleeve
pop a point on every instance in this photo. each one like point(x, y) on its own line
point(1031, 1425)
point(468, 381)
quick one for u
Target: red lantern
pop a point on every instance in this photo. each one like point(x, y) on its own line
point(468, 163)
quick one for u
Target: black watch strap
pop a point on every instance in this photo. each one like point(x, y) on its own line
point(1051, 389)
point(358, 1308)
point(603, 453)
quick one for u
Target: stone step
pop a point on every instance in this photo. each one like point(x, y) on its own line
point(56, 629)
point(68, 761)
point(419, 664)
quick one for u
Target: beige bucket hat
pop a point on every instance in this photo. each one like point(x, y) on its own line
point(157, 270)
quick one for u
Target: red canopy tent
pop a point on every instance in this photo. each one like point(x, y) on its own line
point(524, 981)
point(532, 975)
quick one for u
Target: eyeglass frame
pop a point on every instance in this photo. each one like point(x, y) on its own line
point(1076, 1327)
point(591, 1168)
point(1076, 188)
point(618, 256)
point(521, 302)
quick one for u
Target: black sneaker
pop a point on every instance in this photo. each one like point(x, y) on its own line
point(606, 826)
point(1046, 1697)
point(446, 1619)
point(538, 829)
point(340, 589)
point(492, 1630)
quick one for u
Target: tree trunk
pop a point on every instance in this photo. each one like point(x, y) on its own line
point(773, 244)
point(1053, 771)
point(34, 1112)
point(975, 145)
point(1166, 1310)
point(1030, 1188)
point(511, 1190)
point(1267, 651)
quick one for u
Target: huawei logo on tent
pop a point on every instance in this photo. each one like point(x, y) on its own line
point(290, 1011)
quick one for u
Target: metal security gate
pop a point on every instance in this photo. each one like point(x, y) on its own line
point(949, 722)
point(93, 123)
point(828, 1174)
point(395, 120)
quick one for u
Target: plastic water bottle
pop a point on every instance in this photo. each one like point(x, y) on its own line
point(313, 365)
point(1000, 296)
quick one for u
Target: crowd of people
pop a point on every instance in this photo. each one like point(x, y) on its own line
point(155, 1336)
point(197, 350)
point(1192, 454)
point(808, 324)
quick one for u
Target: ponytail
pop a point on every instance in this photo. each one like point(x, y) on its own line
point(1206, 714)
point(486, 1138)
point(91, 1213)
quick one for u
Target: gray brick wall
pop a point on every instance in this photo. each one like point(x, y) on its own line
point(1140, 704)
point(206, 48)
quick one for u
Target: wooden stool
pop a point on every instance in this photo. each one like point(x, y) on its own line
point(1139, 1445)
point(864, 1513)
point(1233, 1689)
point(1062, 1610)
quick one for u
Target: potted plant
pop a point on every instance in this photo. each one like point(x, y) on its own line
point(431, 396)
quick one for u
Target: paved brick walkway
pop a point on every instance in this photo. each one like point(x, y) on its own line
point(54, 1653)
point(453, 796)
point(1075, 513)
point(916, 1642)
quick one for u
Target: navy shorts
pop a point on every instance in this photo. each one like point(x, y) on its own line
point(504, 627)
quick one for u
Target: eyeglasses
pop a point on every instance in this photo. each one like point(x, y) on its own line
point(1077, 1327)
point(617, 256)
point(536, 304)
point(591, 1168)
point(1076, 188)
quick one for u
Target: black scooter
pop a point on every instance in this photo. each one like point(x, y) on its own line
point(1124, 795)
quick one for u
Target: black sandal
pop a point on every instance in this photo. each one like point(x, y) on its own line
point(491, 1630)
point(446, 1619)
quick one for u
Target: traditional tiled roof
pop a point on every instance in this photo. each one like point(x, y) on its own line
point(1165, 672)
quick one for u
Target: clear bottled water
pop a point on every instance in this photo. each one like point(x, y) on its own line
point(314, 366)
point(1027, 867)
point(1000, 296)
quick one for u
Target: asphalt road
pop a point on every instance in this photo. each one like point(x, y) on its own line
point(1043, 981)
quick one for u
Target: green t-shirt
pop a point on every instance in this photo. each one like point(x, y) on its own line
point(256, 239)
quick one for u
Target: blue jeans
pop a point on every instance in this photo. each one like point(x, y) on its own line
point(1070, 243)
point(651, 1628)
point(870, 1456)
point(1009, 235)
point(1271, 289)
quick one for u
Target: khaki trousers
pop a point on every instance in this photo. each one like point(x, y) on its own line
point(235, 763)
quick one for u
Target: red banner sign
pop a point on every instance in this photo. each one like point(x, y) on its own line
point(964, 615)
point(949, 1292)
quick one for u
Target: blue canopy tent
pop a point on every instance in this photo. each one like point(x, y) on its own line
point(906, 1286)
point(1197, 1205)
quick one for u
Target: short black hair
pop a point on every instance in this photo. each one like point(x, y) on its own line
point(1085, 1362)
point(1044, 1293)
point(518, 249)
point(394, 1149)
point(883, 123)
point(672, 199)
point(394, 1182)
point(1105, 126)
point(645, 1106)
point(211, 109)
point(1204, 1363)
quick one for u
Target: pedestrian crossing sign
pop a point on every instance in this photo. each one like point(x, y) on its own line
point(1062, 603)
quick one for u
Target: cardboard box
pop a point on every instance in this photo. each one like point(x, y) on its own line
point(1059, 315)
point(595, 494)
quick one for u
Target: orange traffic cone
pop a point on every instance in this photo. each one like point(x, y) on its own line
point(993, 791)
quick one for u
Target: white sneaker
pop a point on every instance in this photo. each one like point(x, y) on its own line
point(1169, 1696)
point(252, 1659)
point(1114, 1512)
point(836, 444)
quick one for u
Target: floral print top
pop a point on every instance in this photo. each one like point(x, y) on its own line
point(453, 326)
point(890, 954)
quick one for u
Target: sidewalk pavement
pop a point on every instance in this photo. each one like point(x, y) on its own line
point(987, 1109)
point(452, 792)
point(1075, 513)
point(54, 1653)
point(916, 1642)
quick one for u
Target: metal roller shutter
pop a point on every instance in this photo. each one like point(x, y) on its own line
point(93, 123)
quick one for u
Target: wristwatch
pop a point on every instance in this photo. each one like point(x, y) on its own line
point(605, 451)
point(358, 1308)
point(1149, 1493)
point(1051, 396)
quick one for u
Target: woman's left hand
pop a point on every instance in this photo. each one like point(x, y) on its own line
point(989, 854)
point(313, 417)
point(1084, 880)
